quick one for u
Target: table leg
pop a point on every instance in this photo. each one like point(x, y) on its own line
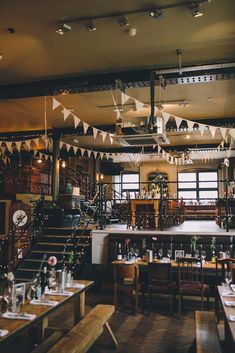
point(79, 308)
point(43, 324)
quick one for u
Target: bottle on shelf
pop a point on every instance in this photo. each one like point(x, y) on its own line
point(119, 252)
point(38, 288)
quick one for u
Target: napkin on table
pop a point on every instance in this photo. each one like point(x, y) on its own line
point(20, 316)
point(231, 317)
point(227, 303)
point(62, 294)
point(44, 302)
point(3, 332)
point(75, 285)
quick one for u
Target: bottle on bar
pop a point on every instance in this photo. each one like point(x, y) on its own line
point(44, 280)
point(119, 252)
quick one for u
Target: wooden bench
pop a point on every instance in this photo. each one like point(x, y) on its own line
point(83, 335)
point(207, 335)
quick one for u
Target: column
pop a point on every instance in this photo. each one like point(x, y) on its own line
point(55, 165)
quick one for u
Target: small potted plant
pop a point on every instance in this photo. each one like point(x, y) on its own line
point(194, 244)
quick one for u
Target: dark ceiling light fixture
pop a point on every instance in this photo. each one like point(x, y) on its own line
point(157, 14)
point(196, 10)
point(90, 26)
point(123, 21)
point(63, 28)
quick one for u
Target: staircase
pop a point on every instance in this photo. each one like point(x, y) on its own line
point(52, 243)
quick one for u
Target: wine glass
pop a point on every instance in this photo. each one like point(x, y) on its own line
point(169, 254)
point(160, 253)
point(203, 255)
point(197, 254)
point(228, 277)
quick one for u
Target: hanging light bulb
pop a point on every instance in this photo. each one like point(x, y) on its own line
point(63, 164)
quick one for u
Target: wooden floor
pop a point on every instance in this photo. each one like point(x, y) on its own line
point(158, 332)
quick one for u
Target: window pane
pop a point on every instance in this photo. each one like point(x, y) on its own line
point(210, 179)
point(130, 181)
point(190, 195)
point(213, 194)
point(187, 180)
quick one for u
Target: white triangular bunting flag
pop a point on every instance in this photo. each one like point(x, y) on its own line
point(158, 149)
point(190, 124)
point(89, 153)
point(213, 130)
point(103, 134)
point(61, 144)
point(165, 116)
point(36, 141)
point(76, 121)
point(95, 154)
point(55, 103)
point(27, 142)
point(202, 128)
point(85, 127)
point(178, 121)
point(124, 98)
point(66, 113)
point(232, 133)
point(101, 155)
point(111, 139)
point(8, 144)
point(18, 145)
point(223, 131)
point(3, 148)
point(95, 132)
point(139, 105)
point(75, 149)
point(67, 147)
point(82, 151)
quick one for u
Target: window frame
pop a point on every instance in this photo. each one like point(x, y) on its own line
point(197, 189)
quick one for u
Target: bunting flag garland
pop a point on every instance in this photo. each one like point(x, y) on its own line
point(76, 121)
point(124, 98)
point(95, 132)
point(166, 117)
point(139, 105)
point(178, 121)
point(55, 103)
point(66, 112)
point(85, 127)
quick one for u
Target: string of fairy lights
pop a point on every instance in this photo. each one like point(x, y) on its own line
point(12, 233)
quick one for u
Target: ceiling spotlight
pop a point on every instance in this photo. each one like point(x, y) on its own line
point(196, 10)
point(123, 21)
point(1, 56)
point(157, 14)
point(63, 28)
point(90, 26)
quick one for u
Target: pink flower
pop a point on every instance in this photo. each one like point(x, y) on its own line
point(52, 261)
point(127, 241)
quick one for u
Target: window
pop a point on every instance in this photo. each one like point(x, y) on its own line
point(203, 186)
point(127, 183)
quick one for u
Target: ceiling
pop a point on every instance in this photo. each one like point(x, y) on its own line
point(35, 52)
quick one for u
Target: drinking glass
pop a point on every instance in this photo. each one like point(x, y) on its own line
point(169, 254)
point(196, 253)
point(228, 277)
point(160, 253)
point(227, 254)
point(203, 255)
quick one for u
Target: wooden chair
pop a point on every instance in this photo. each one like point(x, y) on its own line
point(159, 281)
point(190, 280)
point(126, 279)
point(221, 266)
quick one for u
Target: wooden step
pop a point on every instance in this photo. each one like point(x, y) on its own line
point(67, 236)
point(50, 252)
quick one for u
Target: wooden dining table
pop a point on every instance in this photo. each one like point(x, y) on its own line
point(206, 265)
point(16, 327)
point(229, 325)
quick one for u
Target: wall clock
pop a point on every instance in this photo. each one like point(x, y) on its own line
point(19, 218)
